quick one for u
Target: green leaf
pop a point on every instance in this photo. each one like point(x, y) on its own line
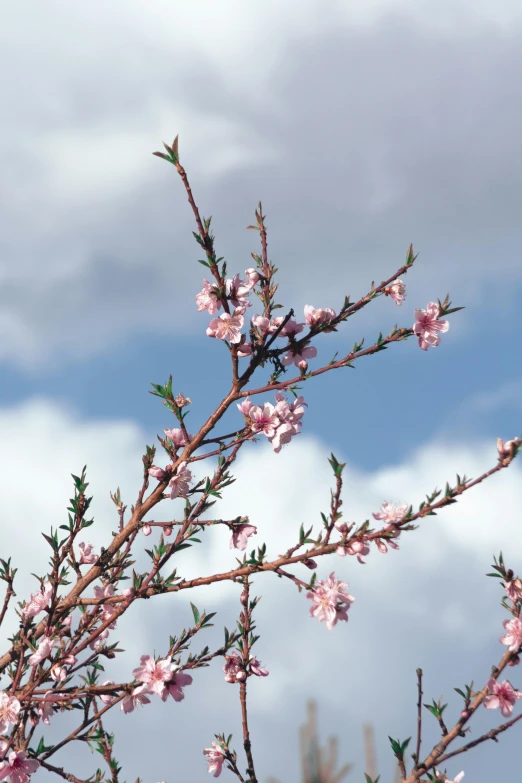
point(195, 612)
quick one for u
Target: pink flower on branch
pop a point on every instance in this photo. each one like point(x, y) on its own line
point(215, 758)
point(428, 327)
point(513, 636)
point(17, 767)
point(38, 601)
point(397, 291)
point(87, 556)
point(290, 329)
point(240, 535)
point(9, 709)
point(44, 650)
point(175, 686)
point(501, 695)
point(256, 668)
point(514, 590)
point(208, 298)
point(391, 514)
point(153, 673)
point(320, 316)
point(226, 327)
point(507, 449)
point(359, 548)
point(234, 668)
point(237, 292)
point(177, 437)
point(330, 600)
point(298, 356)
point(178, 486)
point(134, 699)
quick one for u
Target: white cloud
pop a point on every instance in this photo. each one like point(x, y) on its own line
point(427, 604)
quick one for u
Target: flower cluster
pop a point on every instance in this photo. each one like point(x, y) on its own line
point(161, 677)
point(235, 670)
point(279, 422)
point(330, 600)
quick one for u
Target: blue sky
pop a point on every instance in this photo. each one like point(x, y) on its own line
point(362, 127)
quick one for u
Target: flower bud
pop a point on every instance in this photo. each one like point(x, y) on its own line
point(147, 530)
point(244, 598)
point(514, 661)
point(167, 531)
point(241, 676)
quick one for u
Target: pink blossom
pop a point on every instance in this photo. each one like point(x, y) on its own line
point(87, 555)
point(256, 668)
point(316, 317)
point(252, 277)
point(359, 548)
point(514, 590)
point(234, 668)
point(175, 686)
point(391, 514)
point(244, 350)
point(58, 672)
point(506, 449)
point(108, 610)
point(177, 437)
point(128, 592)
point(226, 327)
point(44, 650)
point(428, 327)
point(99, 641)
point(18, 767)
point(330, 601)
point(134, 699)
point(107, 697)
point(238, 291)
point(153, 673)
point(9, 709)
point(157, 473)
point(240, 534)
point(38, 601)
point(513, 638)
point(298, 356)
point(215, 758)
point(245, 407)
point(290, 329)
point(397, 291)
point(45, 709)
point(261, 323)
point(178, 486)
point(264, 419)
point(501, 695)
point(208, 299)
point(167, 531)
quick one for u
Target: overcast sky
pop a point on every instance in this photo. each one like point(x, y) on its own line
point(362, 127)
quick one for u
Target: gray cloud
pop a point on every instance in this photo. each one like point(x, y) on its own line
point(358, 137)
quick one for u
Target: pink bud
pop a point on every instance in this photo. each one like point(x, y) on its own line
point(309, 563)
point(167, 531)
point(241, 676)
point(514, 661)
point(464, 714)
point(146, 530)
point(381, 546)
point(129, 592)
point(157, 473)
point(244, 598)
